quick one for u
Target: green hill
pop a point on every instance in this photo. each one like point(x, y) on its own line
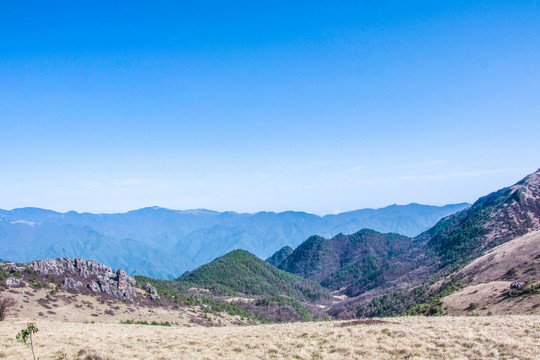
point(240, 272)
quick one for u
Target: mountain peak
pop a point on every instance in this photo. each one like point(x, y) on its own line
point(490, 221)
point(531, 181)
point(279, 256)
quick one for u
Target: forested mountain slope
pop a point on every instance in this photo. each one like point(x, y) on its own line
point(355, 263)
point(494, 220)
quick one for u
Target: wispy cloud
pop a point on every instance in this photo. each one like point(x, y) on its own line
point(93, 185)
point(439, 176)
point(458, 174)
point(136, 182)
point(129, 182)
point(351, 170)
point(414, 165)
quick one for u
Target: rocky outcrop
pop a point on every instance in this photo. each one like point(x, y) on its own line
point(15, 271)
point(62, 266)
point(99, 277)
point(13, 282)
point(12, 268)
point(72, 284)
point(94, 287)
point(151, 292)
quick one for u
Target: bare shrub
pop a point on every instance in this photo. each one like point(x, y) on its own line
point(85, 354)
point(363, 322)
point(6, 303)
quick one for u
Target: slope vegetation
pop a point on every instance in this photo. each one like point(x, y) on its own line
point(389, 274)
point(492, 220)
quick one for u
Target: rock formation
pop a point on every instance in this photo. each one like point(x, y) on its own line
point(151, 292)
point(100, 278)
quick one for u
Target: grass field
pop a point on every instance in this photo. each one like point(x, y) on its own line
point(494, 337)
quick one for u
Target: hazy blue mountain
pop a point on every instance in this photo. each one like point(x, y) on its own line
point(165, 243)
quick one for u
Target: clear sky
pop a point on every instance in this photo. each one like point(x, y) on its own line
point(265, 105)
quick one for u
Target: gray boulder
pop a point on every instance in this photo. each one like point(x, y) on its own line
point(13, 282)
point(151, 292)
point(94, 287)
point(72, 284)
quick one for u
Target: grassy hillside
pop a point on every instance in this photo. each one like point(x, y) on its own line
point(240, 272)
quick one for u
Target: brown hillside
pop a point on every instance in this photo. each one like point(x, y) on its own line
point(488, 279)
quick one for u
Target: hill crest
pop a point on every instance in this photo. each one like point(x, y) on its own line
point(240, 272)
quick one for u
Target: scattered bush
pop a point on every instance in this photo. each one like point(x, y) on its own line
point(6, 303)
point(154, 323)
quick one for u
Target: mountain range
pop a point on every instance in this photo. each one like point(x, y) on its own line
point(481, 260)
point(165, 243)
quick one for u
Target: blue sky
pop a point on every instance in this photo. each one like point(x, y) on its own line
point(248, 106)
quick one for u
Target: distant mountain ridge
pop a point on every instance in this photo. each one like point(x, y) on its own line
point(165, 243)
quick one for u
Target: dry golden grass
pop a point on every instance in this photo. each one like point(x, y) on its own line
point(79, 308)
point(504, 337)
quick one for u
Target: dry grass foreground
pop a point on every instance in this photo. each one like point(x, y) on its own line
point(495, 337)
